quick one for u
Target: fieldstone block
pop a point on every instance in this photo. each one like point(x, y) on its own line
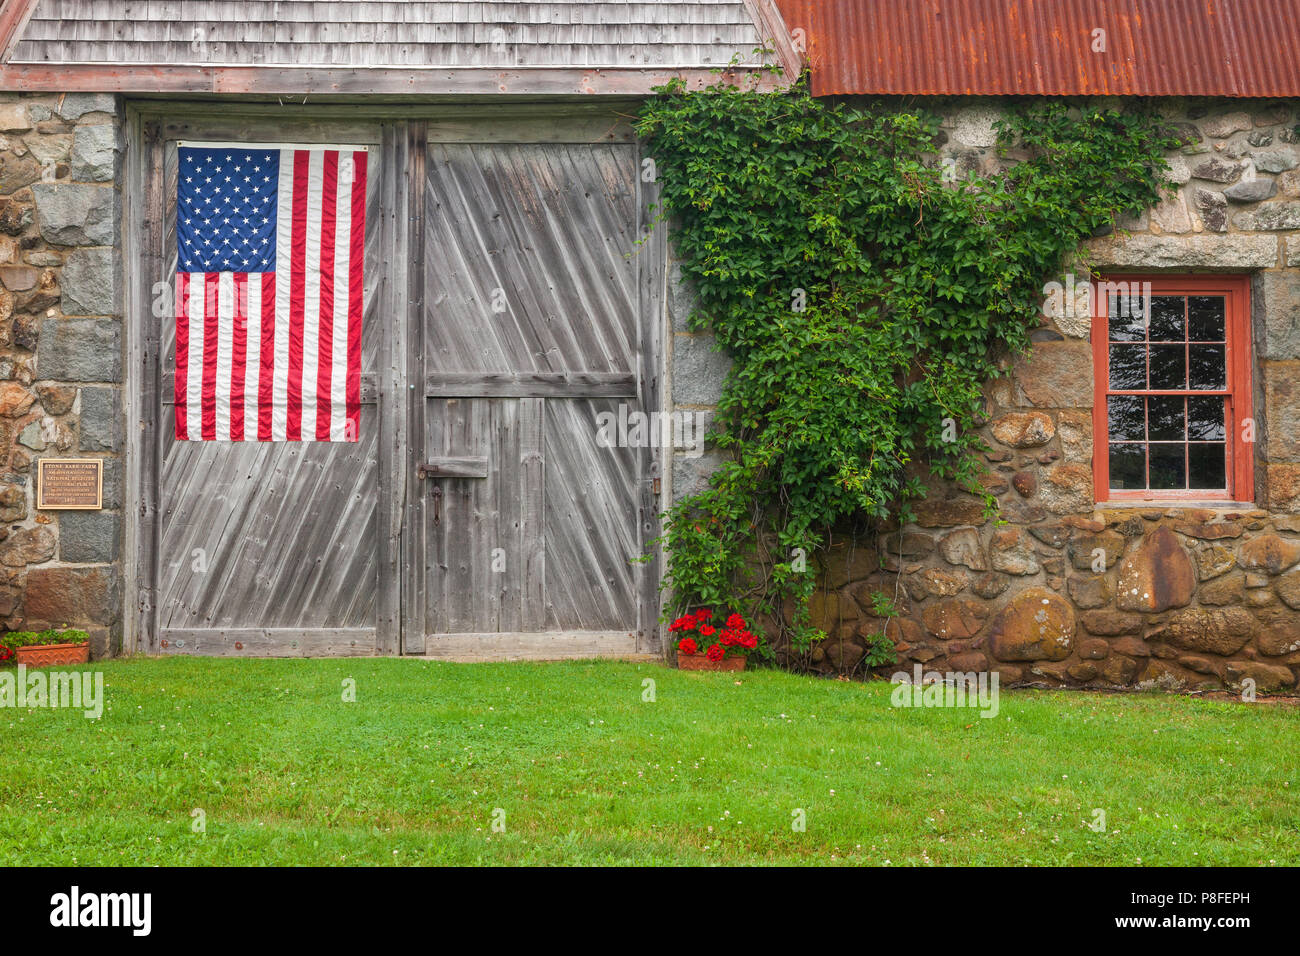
point(1158, 576)
point(90, 285)
point(1189, 252)
point(698, 370)
point(77, 105)
point(1281, 386)
point(681, 300)
point(1276, 161)
point(1213, 208)
point(89, 537)
point(974, 126)
point(99, 417)
point(80, 350)
point(1217, 171)
point(94, 153)
point(14, 118)
point(1275, 304)
point(1035, 625)
point(72, 214)
point(1056, 375)
point(690, 475)
point(55, 148)
point(71, 596)
point(1257, 190)
point(1274, 217)
point(1220, 126)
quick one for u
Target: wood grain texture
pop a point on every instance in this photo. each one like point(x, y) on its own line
point(271, 534)
point(376, 33)
point(532, 312)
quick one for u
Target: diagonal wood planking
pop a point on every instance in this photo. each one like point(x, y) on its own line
point(548, 232)
point(287, 530)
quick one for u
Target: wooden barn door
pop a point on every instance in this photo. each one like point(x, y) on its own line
point(268, 548)
point(532, 328)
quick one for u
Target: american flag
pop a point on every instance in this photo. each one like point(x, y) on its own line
point(270, 249)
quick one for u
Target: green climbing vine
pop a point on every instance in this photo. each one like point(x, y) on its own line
point(865, 298)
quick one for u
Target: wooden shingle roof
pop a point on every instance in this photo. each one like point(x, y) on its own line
point(356, 46)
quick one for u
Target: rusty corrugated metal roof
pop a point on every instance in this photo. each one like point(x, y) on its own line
point(1001, 47)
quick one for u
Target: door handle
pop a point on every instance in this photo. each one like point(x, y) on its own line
point(453, 468)
point(437, 504)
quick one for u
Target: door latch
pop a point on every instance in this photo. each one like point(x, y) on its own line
point(437, 504)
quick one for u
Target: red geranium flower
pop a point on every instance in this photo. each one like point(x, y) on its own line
point(708, 630)
point(683, 624)
point(687, 647)
point(715, 653)
point(749, 640)
point(736, 622)
point(703, 614)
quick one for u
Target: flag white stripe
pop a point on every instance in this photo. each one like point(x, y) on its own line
point(283, 258)
point(342, 259)
point(311, 292)
point(194, 370)
point(253, 365)
point(225, 351)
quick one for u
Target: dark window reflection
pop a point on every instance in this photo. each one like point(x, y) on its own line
point(1205, 419)
point(1207, 366)
point(1207, 466)
point(1127, 318)
point(1165, 421)
point(1169, 366)
point(1168, 466)
point(1167, 323)
point(1205, 318)
point(1128, 466)
point(1128, 366)
point(1127, 417)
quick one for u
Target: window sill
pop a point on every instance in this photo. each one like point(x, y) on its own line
point(1131, 504)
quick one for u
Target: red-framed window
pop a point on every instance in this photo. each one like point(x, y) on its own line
point(1172, 410)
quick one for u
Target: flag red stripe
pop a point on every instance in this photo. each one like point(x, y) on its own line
point(297, 294)
point(238, 357)
point(208, 395)
point(356, 257)
point(181, 382)
point(325, 348)
point(267, 355)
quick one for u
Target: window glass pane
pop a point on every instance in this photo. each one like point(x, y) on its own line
point(1128, 466)
point(1207, 466)
point(1128, 366)
point(1169, 366)
point(1165, 418)
point(1208, 368)
point(1167, 320)
point(1127, 318)
point(1205, 318)
point(1205, 419)
point(1168, 466)
point(1127, 417)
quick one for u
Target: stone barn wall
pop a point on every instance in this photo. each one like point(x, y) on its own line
point(60, 357)
point(1190, 597)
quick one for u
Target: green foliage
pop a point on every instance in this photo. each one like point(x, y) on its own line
point(865, 301)
point(16, 639)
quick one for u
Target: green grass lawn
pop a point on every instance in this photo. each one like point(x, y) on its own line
point(587, 772)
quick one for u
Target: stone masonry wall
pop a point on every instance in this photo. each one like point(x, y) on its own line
point(60, 357)
point(1190, 597)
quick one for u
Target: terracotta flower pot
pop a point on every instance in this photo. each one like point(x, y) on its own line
point(698, 662)
point(52, 655)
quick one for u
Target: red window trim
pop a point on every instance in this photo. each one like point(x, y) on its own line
point(1240, 471)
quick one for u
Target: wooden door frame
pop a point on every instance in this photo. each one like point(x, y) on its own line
point(405, 130)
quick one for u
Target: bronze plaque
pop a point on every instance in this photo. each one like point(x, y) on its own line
point(70, 484)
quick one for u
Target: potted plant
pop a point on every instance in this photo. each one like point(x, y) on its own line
point(703, 646)
point(46, 648)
